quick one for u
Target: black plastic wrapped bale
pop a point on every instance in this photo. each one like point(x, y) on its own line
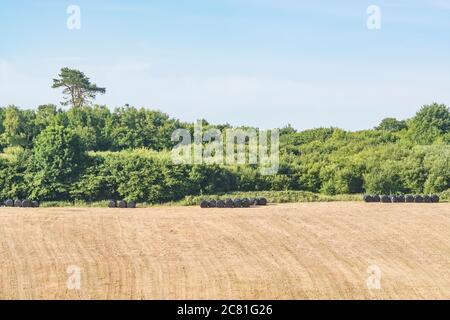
point(9, 203)
point(204, 204)
point(435, 198)
point(229, 203)
point(212, 204)
point(35, 204)
point(18, 203)
point(121, 204)
point(368, 198)
point(409, 198)
point(262, 202)
point(253, 201)
point(385, 199)
point(131, 204)
point(26, 203)
point(112, 204)
point(376, 198)
point(237, 203)
point(246, 203)
point(427, 199)
point(401, 198)
point(220, 204)
point(394, 199)
point(418, 199)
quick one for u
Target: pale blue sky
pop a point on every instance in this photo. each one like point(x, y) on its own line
point(256, 62)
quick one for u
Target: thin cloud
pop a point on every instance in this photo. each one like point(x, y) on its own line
point(441, 4)
point(66, 59)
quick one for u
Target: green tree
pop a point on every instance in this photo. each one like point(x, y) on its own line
point(384, 180)
point(92, 124)
point(287, 130)
point(45, 115)
point(137, 128)
point(58, 157)
point(18, 127)
point(12, 173)
point(391, 124)
point(77, 88)
point(431, 122)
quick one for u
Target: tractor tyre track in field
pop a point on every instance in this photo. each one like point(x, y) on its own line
point(288, 251)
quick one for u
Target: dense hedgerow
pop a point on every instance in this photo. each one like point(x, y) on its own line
point(93, 154)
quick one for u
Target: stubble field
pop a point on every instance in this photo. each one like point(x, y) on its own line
point(291, 251)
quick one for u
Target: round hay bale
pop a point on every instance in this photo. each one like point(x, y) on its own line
point(18, 203)
point(9, 203)
point(131, 204)
point(220, 204)
point(394, 199)
point(112, 204)
point(418, 199)
point(409, 198)
point(212, 204)
point(435, 198)
point(253, 201)
point(204, 204)
point(229, 203)
point(385, 199)
point(121, 204)
point(376, 198)
point(26, 203)
point(245, 203)
point(368, 198)
point(427, 199)
point(262, 202)
point(401, 198)
point(237, 203)
point(35, 204)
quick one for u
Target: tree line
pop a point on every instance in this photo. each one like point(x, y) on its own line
point(90, 153)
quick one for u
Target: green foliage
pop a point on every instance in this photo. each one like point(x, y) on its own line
point(385, 181)
point(77, 87)
point(17, 127)
point(57, 160)
point(146, 176)
point(445, 196)
point(44, 157)
point(392, 125)
point(11, 179)
point(273, 197)
point(430, 123)
point(45, 115)
point(135, 128)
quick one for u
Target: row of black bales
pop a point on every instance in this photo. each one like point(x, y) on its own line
point(121, 204)
point(18, 203)
point(410, 198)
point(233, 203)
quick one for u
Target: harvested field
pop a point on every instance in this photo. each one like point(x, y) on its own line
point(292, 251)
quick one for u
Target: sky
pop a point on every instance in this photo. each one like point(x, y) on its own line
point(264, 63)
